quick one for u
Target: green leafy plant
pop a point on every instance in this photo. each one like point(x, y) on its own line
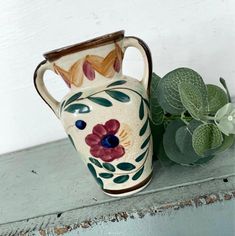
point(198, 118)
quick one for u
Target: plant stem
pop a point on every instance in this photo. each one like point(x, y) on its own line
point(210, 117)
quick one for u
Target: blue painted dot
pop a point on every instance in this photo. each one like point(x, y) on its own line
point(80, 124)
point(110, 141)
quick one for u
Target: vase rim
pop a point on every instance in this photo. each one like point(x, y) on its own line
point(92, 43)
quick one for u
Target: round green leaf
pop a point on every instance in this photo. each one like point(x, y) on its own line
point(163, 158)
point(109, 166)
point(227, 143)
point(225, 119)
point(125, 166)
point(168, 93)
point(121, 179)
point(217, 98)
point(177, 141)
point(193, 100)
point(206, 137)
point(157, 113)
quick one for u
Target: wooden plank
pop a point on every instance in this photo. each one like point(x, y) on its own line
point(48, 186)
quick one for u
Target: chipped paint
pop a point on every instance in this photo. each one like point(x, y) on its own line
point(195, 202)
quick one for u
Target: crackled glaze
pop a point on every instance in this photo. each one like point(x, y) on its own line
point(105, 114)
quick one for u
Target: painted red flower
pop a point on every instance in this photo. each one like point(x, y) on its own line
point(104, 142)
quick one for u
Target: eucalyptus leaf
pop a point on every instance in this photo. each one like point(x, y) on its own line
point(225, 119)
point(163, 158)
point(206, 137)
point(193, 100)
point(180, 151)
point(157, 113)
point(227, 143)
point(168, 93)
point(217, 98)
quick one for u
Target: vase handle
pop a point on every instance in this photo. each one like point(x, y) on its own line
point(146, 54)
point(41, 88)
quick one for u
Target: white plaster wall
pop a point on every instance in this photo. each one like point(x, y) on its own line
point(199, 34)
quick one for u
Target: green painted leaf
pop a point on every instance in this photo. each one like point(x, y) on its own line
point(223, 82)
point(157, 113)
point(106, 175)
point(144, 128)
point(217, 98)
point(109, 166)
point(73, 98)
point(117, 95)
point(100, 182)
point(121, 179)
point(167, 90)
point(119, 82)
point(126, 166)
point(78, 108)
point(141, 109)
point(71, 140)
point(95, 162)
point(141, 156)
point(92, 169)
point(145, 143)
point(101, 101)
point(193, 100)
point(163, 158)
point(138, 173)
point(179, 151)
point(206, 137)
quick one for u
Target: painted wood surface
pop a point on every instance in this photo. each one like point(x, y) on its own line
point(48, 187)
point(198, 33)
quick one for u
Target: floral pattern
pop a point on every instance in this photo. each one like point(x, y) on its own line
point(106, 142)
point(86, 67)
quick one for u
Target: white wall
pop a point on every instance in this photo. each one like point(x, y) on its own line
point(199, 34)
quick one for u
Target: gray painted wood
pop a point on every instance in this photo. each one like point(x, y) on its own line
point(48, 186)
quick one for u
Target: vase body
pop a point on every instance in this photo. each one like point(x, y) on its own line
point(105, 114)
